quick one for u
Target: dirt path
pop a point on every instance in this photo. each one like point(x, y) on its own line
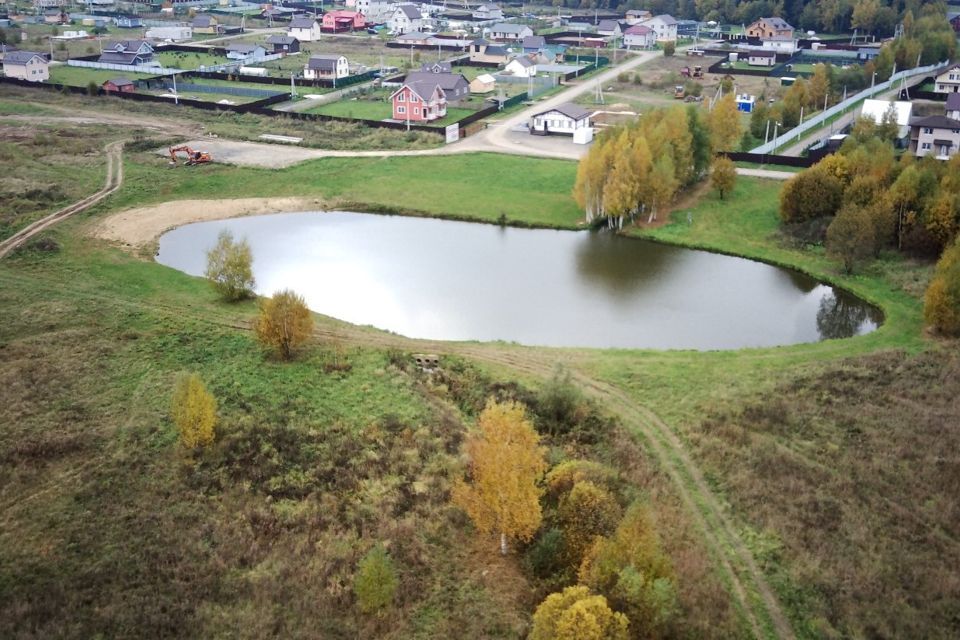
point(114, 179)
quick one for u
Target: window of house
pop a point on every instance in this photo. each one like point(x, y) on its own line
point(925, 145)
point(416, 111)
point(927, 130)
point(400, 98)
point(413, 98)
point(401, 109)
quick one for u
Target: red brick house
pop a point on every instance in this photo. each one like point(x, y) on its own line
point(119, 85)
point(419, 101)
point(340, 21)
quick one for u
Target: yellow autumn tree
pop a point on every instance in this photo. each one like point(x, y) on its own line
point(506, 466)
point(586, 512)
point(284, 322)
point(941, 307)
point(574, 614)
point(194, 412)
point(724, 122)
point(723, 177)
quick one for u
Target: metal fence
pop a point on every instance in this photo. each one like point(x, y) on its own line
point(129, 68)
point(815, 122)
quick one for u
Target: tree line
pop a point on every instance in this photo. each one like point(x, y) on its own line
point(638, 168)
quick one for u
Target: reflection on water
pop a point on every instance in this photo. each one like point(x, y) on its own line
point(841, 315)
point(460, 281)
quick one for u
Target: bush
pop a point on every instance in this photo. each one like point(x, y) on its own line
point(375, 584)
point(851, 237)
point(669, 48)
point(230, 267)
point(284, 323)
point(194, 412)
point(577, 615)
point(623, 77)
point(814, 193)
point(941, 307)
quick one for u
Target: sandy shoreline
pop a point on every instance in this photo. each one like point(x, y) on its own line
point(142, 226)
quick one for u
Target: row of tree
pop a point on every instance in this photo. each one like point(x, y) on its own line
point(626, 587)
point(639, 167)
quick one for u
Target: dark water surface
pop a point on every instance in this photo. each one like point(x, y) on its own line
point(427, 278)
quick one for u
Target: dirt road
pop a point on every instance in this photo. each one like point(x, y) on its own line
point(114, 179)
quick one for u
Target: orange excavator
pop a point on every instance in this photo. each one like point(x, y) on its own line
point(193, 157)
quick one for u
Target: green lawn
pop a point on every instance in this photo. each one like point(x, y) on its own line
point(187, 60)
point(81, 77)
point(360, 108)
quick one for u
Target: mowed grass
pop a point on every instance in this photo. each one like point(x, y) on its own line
point(81, 77)
point(190, 60)
point(480, 186)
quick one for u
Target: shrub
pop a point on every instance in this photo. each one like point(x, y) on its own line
point(230, 267)
point(669, 48)
point(194, 412)
point(284, 323)
point(851, 237)
point(584, 513)
point(574, 614)
point(814, 193)
point(375, 584)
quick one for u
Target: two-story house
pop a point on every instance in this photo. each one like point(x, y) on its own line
point(26, 65)
point(131, 52)
point(664, 27)
point(421, 101)
point(455, 86)
point(405, 18)
point(304, 29)
point(326, 67)
point(948, 80)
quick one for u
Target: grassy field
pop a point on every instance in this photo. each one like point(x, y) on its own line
point(81, 77)
point(835, 459)
point(390, 184)
point(190, 60)
point(380, 110)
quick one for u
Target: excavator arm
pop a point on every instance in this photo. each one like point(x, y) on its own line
point(192, 157)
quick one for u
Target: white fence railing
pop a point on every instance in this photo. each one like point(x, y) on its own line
point(169, 71)
point(816, 121)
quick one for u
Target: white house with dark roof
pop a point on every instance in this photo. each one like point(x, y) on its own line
point(488, 12)
point(244, 51)
point(610, 28)
point(521, 67)
point(953, 106)
point(533, 44)
point(664, 27)
point(938, 136)
point(205, 23)
point(639, 37)
point(484, 51)
point(283, 44)
point(405, 18)
point(26, 65)
point(948, 80)
point(509, 32)
point(129, 52)
point(758, 58)
point(304, 29)
point(564, 119)
point(326, 67)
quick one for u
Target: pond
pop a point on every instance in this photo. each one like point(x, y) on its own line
point(439, 279)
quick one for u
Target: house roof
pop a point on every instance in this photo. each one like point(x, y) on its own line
point(423, 88)
point(495, 50)
point(436, 67)
point(302, 22)
point(485, 78)
point(762, 54)
point(947, 143)
point(120, 82)
point(243, 47)
point(607, 25)
point(524, 61)
point(204, 21)
point(129, 46)
point(776, 23)
point(638, 30)
point(665, 18)
point(323, 62)
point(278, 39)
point(411, 11)
point(447, 81)
point(953, 101)
point(506, 27)
point(936, 122)
point(534, 42)
point(487, 7)
point(22, 57)
point(570, 110)
point(117, 57)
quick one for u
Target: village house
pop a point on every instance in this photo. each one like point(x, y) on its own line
point(326, 67)
point(304, 29)
point(664, 27)
point(205, 23)
point(770, 29)
point(437, 67)
point(405, 18)
point(488, 12)
point(343, 21)
point(948, 80)
point(636, 16)
point(119, 85)
point(128, 22)
point(564, 119)
point(533, 44)
point(953, 106)
point(953, 17)
point(26, 65)
point(639, 37)
point(129, 52)
point(507, 32)
point(244, 51)
point(483, 51)
point(283, 44)
point(935, 135)
point(421, 101)
point(610, 28)
point(521, 67)
point(375, 12)
point(762, 58)
point(455, 86)
point(483, 83)
point(173, 34)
